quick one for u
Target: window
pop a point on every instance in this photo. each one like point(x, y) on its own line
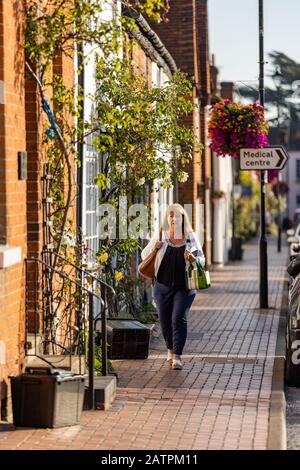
point(91, 197)
point(298, 169)
point(159, 77)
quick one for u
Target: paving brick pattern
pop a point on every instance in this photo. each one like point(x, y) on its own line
point(220, 400)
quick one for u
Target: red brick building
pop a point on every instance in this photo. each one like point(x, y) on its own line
point(21, 171)
point(13, 193)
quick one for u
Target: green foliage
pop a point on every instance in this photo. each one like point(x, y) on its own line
point(247, 208)
point(246, 219)
point(141, 125)
point(135, 127)
point(146, 312)
point(246, 178)
point(98, 361)
point(54, 25)
point(154, 9)
point(273, 202)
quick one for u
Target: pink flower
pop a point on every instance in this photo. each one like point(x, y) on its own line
point(234, 126)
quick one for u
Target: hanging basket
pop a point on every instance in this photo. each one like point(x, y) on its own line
point(217, 195)
point(233, 126)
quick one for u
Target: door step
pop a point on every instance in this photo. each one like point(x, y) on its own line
point(75, 364)
point(104, 392)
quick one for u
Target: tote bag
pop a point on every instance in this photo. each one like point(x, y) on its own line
point(196, 276)
point(147, 267)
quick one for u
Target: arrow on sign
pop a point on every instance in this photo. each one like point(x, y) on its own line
point(282, 158)
point(268, 158)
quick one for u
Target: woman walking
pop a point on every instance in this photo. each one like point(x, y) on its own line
point(176, 244)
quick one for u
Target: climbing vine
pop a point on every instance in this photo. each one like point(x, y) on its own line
point(134, 127)
point(142, 128)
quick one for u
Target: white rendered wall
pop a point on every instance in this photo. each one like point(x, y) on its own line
point(222, 228)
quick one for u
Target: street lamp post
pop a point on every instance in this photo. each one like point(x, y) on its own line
point(277, 77)
point(263, 245)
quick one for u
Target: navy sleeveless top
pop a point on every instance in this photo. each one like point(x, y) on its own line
point(171, 271)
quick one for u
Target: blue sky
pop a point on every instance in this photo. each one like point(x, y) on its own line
point(233, 28)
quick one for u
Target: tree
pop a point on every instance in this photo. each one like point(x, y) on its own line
point(283, 97)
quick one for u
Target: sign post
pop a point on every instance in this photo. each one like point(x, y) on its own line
point(263, 244)
point(263, 159)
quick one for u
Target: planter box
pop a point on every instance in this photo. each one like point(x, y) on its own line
point(236, 251)
point(127, 339)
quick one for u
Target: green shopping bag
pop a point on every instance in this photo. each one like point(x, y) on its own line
point(196, 276)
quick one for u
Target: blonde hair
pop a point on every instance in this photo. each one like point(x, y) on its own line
point(187, 226)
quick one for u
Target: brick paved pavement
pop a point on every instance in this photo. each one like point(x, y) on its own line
point(220, 400)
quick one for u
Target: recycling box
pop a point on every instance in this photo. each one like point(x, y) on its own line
point(47, 399)
point(127, 339)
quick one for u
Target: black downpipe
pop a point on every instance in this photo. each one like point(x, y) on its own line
point(91, 352)
point(79, 178)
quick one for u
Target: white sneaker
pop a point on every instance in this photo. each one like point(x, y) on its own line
point(170, 355)
point(177, 364)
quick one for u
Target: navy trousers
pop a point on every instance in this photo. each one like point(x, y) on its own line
point(173, 305)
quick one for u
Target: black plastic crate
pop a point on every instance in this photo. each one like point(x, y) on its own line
point(127, 339)
point(47, 399)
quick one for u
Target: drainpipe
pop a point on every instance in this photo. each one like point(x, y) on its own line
point(80, 150)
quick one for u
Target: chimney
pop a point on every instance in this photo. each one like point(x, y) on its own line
point(227, 90)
